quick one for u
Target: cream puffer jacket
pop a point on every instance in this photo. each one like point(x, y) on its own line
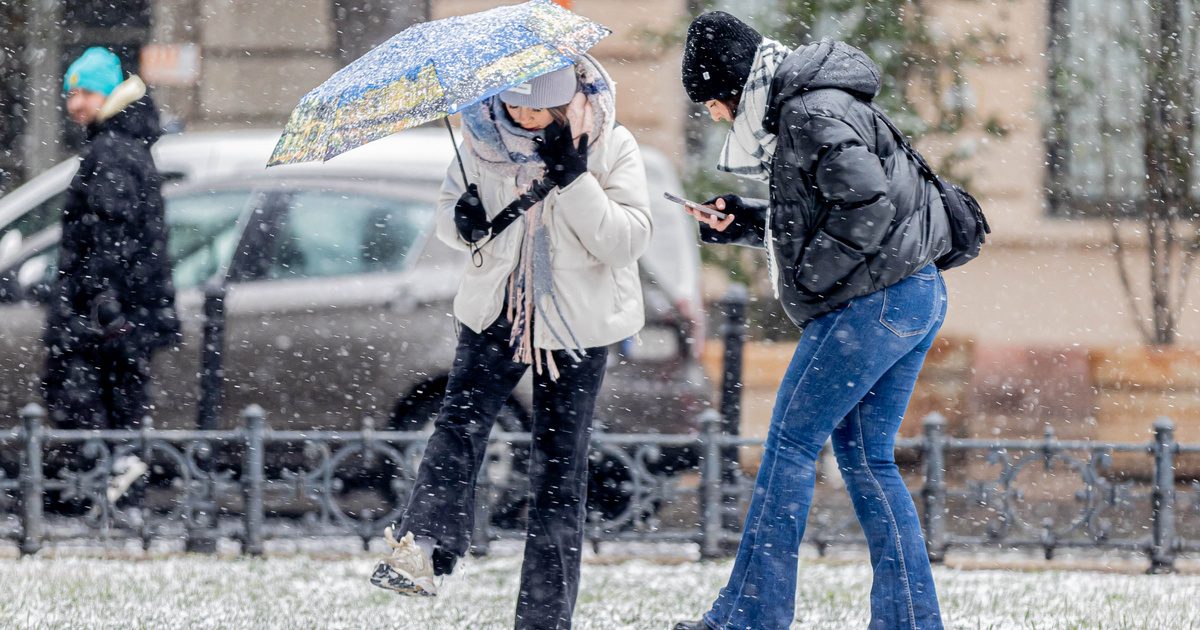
point(599, 226)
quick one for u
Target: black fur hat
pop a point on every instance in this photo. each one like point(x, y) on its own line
point(717, 56)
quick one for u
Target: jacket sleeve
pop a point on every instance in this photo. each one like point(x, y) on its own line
point(749, 227)
point(854, 190)
point(611, 221)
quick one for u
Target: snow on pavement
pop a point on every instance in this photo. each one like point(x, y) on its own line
point(305, 591)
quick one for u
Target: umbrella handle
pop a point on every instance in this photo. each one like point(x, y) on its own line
point(457, 155)
point(476, 250)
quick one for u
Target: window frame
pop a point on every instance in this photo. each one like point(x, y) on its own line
point(1061, 201)
point(254, 197)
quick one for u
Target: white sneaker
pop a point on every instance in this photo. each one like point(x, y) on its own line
point(408, 571)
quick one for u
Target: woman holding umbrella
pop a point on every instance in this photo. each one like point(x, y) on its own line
point(555, 216)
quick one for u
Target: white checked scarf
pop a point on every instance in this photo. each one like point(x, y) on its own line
point(749, 149)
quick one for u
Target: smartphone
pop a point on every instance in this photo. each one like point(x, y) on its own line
point(694, 206)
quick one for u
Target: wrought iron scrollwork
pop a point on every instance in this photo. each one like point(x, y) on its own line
point(205, 485)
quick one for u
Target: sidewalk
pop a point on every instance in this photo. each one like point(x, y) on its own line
point(307, 591)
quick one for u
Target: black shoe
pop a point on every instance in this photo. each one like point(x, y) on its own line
point(692, 625)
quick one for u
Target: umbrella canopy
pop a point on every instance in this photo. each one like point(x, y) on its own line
point(431, 70)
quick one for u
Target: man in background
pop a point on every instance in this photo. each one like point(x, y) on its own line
point(113, 303)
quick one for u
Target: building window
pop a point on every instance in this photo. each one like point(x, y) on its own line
point(1098, 81)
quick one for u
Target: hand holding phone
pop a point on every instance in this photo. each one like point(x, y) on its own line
point(692, 205)
point(713, 216)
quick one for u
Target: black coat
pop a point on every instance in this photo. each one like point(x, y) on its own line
point(114, 278)
point(850, 212)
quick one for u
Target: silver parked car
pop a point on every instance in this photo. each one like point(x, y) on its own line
point(339, 296)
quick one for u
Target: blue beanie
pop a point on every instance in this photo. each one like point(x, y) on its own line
point(96, 70)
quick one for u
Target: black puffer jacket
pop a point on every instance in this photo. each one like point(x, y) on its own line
point(114, 278)
point(850, 212)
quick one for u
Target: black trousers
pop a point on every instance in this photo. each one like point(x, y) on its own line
point(442, 506)
point(98, 387)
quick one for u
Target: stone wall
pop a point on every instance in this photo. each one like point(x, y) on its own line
point(1043, 281)
point(1106, 394)
point(943, 386)
point(259, 58)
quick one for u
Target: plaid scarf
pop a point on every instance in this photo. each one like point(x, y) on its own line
point(750, 149)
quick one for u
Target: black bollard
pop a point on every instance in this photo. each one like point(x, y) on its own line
point(733, 333)
point(212, 373)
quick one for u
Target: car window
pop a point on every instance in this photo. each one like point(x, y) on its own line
point(203, 233)
point(331, 233)
point(41, 216)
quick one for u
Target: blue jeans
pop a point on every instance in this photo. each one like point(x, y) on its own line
point(850, 380)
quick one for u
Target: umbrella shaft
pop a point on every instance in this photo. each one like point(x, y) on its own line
point(457, 155)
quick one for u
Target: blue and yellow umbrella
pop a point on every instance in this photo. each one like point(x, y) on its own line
point(433, 70)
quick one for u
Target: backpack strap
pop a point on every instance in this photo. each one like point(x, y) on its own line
point(906, 146)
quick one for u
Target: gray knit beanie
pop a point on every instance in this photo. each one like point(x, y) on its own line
point(552, 89)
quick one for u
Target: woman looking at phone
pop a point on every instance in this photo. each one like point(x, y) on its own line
point(851, 231)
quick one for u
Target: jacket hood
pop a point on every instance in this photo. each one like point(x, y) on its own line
point(129, 110)
point(825, 64)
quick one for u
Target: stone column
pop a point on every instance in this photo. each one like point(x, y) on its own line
point(43, 88)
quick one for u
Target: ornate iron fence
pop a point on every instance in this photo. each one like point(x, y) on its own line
point(253, 483)
point(204, 485)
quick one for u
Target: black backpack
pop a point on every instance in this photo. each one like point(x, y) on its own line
point(968, 227)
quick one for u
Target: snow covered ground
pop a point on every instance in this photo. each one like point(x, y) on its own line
point(310, 591)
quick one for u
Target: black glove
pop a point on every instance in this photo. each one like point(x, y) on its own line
point(564, 161)
point(734, 204)
point(469, 216)
point(108, 315)
point(748, 216)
